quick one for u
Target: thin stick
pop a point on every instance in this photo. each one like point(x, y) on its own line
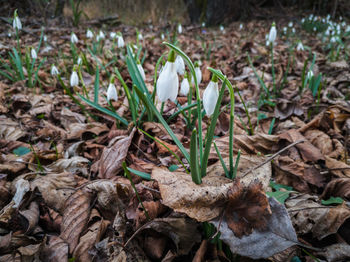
point(272, 157)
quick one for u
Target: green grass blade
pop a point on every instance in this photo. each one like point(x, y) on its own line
point(140, 173)
point(262, 84)
point(227, 174)
point(97, 85)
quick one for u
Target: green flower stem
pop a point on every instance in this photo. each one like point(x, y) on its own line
point(273, 71)
point(199, 110)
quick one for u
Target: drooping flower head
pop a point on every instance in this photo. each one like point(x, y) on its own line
point(179, 28)
point(185, 85)
point(180, 65)
point(54, 71)
point(210, 96)
point(140, 68)
point(198, 72)
point(73, 38)
point(168, 81)
point(300, 46)
point(120, 43)
point(89, 34)
point(272, 34)
point(16, 21)
point(112, 91)
point(33, 53)
point(74, 79)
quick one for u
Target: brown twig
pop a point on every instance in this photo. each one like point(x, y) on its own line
point(272, 157)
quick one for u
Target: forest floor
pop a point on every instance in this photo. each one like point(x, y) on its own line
point(85, 179)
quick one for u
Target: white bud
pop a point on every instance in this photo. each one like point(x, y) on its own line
point(272, 34)
point(112, 35)
point(74, 79)
point(142, 72)
point(33, 54)
point(179, 28)
point(89, 34)
point(300, 46)
point(54, 70)
point(112, 92)
point(74, 38)
point(180, 65)
point(198, 75)
point(17, 22)
point(168, 83)
point(120, 42)
point(210, 97)
point(80, 61)
point(185, 87)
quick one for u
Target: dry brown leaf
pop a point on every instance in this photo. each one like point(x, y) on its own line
point(337, 168)
point(153, 208)
point(285, 108)
point(250, 145)
point(75, 164)
point(78, 130)
point(113, 156)
point(56, 250)
point(55, 188)
point(309, 216)
point(247, 209)
point(75, 216)
point(9, 129)
point(338, 187)
point(336, 252)
point(30, 217)
point(68, 117)
point(87, 241)
point(308, 151)
point(205, 201)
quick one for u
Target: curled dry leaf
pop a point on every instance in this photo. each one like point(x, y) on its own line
point(308, 216)
point(76, 164)
point(336, 252)
point(278, 235)
point(183, 232)
point(78, 130)
point(250, 145)
point(55, 188)
point(247, 208)
point(22, 187)
point(338, 187)
point(55, 250)
point(30, 217)
point(76, 215)
point(205, 201)
point(10, 130)
point(87, 241)
point(113, 156)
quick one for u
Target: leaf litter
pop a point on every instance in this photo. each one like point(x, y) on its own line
point(66, 196)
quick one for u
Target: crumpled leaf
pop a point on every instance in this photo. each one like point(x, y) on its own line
point(113, 156)
point(205, 201)
point(183, 232)
point(338, 187)
point(22, 187)
point(278, 235)
point(73, 165)
point(247, 208)
point(55, 250)
point(75, 216)
point(30, 217)
point(9, 129)
point(55, 188)
point(309, 216)
point(285, 108)
point(336, 252)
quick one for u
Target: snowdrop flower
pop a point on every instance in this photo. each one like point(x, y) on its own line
point(45, 38)
point(112, 35)
point(54, 70)
point(328, 17)
point(89, 34)
point(222, 29)
point(140, 37)
point(240, 26)
point(210, 96)
point(315, 29)
point(142, 72)
point(293, 30)
point(74, 79)
point(300, 46)
point(285, 30)
point(74, 38)
point(203, 24)
point(310, 74)
point(179, 28)
point(120, 42)
point(180, 65)
point(198, 72)
point(185, 86)
point(333, 39)
point(33, 53)
point(290, 24)
point(16, 21)
point(303, 20)
point(100, 36)
point(112, 92)
point(162, 36)
point(272, 34)
point(168, 81)
point(79, 61)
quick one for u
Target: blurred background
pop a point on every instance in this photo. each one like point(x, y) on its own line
point(161, 12)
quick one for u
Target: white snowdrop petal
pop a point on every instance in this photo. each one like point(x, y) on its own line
point(210, 97)
point(112, 92)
